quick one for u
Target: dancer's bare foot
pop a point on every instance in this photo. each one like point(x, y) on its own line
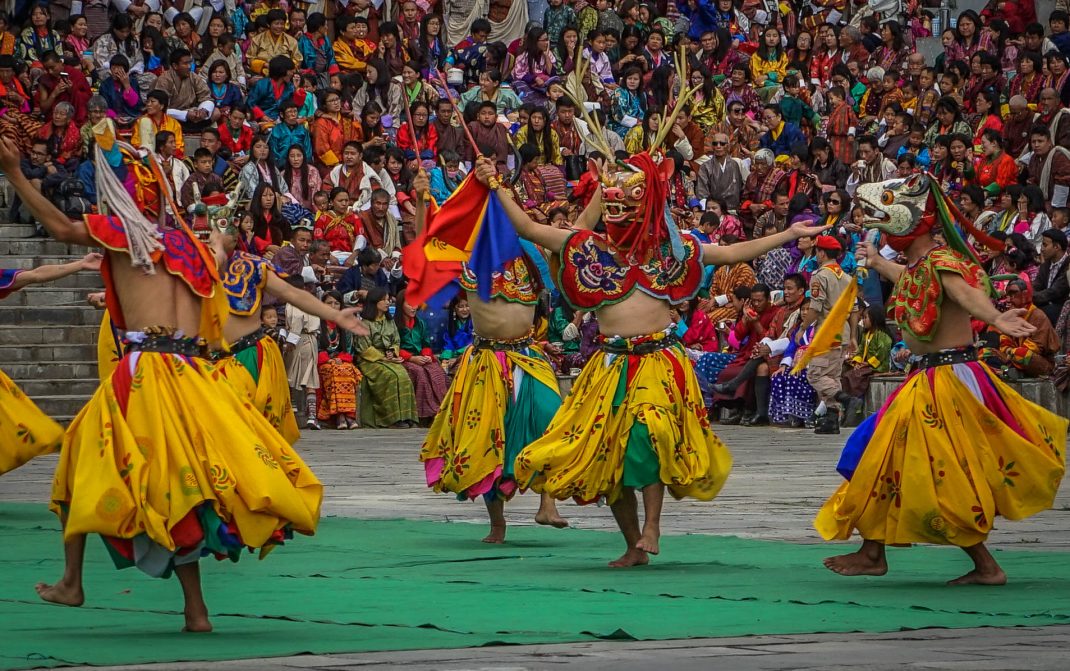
point(649, 542)
point(496, 535)
point(61, 593)
point(551, 519)
point(857, 563)
point(994, 576)
point(197, 622)
point(633, 557)
point(548, 515)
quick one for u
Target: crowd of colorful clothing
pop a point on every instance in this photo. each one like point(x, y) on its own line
point(316, 116)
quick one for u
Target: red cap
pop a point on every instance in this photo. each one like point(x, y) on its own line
point(828, 243)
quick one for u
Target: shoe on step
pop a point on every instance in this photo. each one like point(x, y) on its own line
point(757, 420)
point(828, 424)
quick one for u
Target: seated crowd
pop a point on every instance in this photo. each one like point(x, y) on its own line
point(318, 117)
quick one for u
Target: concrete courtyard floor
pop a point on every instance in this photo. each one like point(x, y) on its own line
point(779, 480)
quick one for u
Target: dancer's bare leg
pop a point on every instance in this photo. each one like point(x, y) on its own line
point(867, 560)
point(548, 515)
point(68, 590)
point(496, 510)
point(626, 512)
point(196, 611)
point(653, 497)
point(986, 571)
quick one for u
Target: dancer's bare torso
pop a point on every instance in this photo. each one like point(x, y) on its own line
point(154, 300)
point(638, 314)
point(239, 326)
point(500, 319)
point(953, 330)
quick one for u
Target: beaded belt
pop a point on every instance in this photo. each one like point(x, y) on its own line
point(515, 345)
point(162, 343)
point(944, 357)
point(245, 342)
point(644, 344)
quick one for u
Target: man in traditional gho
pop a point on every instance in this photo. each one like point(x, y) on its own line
point(25, 431)
point(503, 395)
point(166, 462)
point(635, 418)
point(954, 446)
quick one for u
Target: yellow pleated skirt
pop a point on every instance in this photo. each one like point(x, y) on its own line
point(953, 448)
point(164, 446)
point(260, 373)
point(629, 421)
point(497, 403)
point(25, 431)
point(109, 349)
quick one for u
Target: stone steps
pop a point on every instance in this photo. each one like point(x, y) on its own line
point(74, 335)
point(49, 332)
point(10, 354)
point(16, 231)
point(46, 388)
point(80, 369)
point(48, 296)
point(36, 246)
point(49, 316)
point(61, 408)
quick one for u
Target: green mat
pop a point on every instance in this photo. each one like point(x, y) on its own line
point(391, 585)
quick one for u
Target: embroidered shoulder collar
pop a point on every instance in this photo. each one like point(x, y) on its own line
point(244, 281)
point(919, 294)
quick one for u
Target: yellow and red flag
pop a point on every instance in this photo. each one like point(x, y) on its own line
point(470, 227)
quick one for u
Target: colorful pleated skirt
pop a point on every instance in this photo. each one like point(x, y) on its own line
point(169, 464)
point(950, 450)
point(499, 401)
point(256, 368)
point(109, 347)
point(630, 420)
point(25, 431)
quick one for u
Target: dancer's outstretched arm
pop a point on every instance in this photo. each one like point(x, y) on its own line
point(55, 222)
point(889, 270)
point(306, 302)
point(978, 304)
point(545, 236)
point(715, 255)
point(588, 219)
point(50, 273)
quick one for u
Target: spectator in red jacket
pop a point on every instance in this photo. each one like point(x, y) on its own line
point(62, 83)
point(63, 137)
point(700, 334)
point(236, 135)
point(1017, 14)
point(426, 136)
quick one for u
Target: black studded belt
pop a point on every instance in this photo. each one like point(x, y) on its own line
point(518, 345)
point(243, 343)
point(641, 344)
point(165, 344)
point(945, 357)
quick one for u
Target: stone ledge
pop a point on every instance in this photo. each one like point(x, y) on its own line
point(564, 383)
point(1039, 391)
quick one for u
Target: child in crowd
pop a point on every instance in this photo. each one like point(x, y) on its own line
point(458, 334)
point(873, 358)
point(301, 354)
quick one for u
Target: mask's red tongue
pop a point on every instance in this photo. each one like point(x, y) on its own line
point(625, 235)
point(644, 230)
